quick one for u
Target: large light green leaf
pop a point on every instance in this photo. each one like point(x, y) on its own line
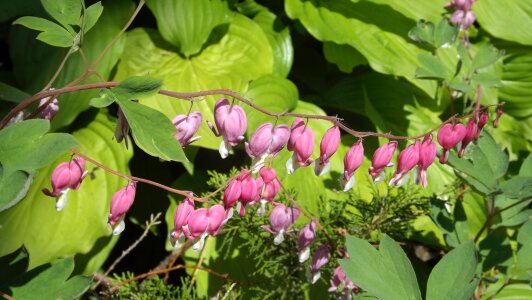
point(35, 63)
point(48, 234)
point(376, 31)
point(415, 10)
point(517, 84)
point(243, 54)
point(188, 24)
point(509, 20)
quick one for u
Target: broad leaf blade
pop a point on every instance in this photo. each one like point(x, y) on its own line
point(13, 187)
point(66, 12)
point(51, 34)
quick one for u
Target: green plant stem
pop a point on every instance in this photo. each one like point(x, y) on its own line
point(492, 212)
point(58, 71)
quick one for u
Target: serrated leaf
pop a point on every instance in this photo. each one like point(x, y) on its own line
point(152, 130)
point(51, 33)
point(444, 34)
point(13, 187)
point(27, 146)
point(431, 68)
point(344, 56)
point(66, 12)
point(92, 14)
point(486, 56)
point(188, 24)
point(104, 99)
point(48, 234)
point(452, 276)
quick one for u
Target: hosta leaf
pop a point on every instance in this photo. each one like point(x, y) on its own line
point(517, 84)
point(344, 56)
point(243, 54)
point(188, 24)
point(48, 234)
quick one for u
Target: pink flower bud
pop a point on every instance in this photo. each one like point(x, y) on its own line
point(340, 280)
point(281, 217)
point(49, 112)
point(203, 222)
point(320, 258)
point(408, 159)
point(267, 140)
point(249, 191)
point(66, 176)
point(328, 146)
point(181, 215)
point(427, 154)
point(198, 222)
point(232, 193)
point(352, 161)
point(448, 137)
point(499, 114)
point(217, 218)
point(382, 159)
point(306, 237)
point(187, 126)
point(122, 128)
point(461, 4)
point(471, 132)
point(231, 122)
point(482, 121)
point(302, 143)
point(463, 18)
point(120, 204)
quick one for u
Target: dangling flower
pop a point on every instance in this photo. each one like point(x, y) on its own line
point(231, 122)
point(202, 222)
point(266, 141)
point(408, 159)
point(120, 204)
point(482, 121)
point(268, 187)
point(328, 146)
point(302, 143)
point(232, 193)
point(320, 258)
point(66, 176)
point(187, 126)
point(249, 191)
point(122, 128)
point(471, 132)
point(306, 237)
point(463, 18)
point(281, 218)
point(49, 112)
point(448, 137)
point(427, 154)
point(340, 283)
point(352, 161)
point(181, 215)
point(499, 113)
point(382, 159)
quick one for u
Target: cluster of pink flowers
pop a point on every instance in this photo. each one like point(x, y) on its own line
point(462, 16)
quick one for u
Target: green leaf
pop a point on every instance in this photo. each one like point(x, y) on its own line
point(516, 291)
point(344, 56)
point(517, 83)
point(495, 251)
point(14, 187)
point(518, 187)
point(512, 214)
point(92, 14)
point(138, 87)
point(431, 68)
point(104, 99)
point(278, 35)
point(423, 32)
point(415, 10)
point(444, 34)
point(460, 228)
point(526, 167)
point(453, 276)
point(152, 130)
point(26, 146)
point(188, 24)
point(51, 34)
point(51, 281)
point(462, 87)
point(11, 93)
point(385, 274)
point(66, 12)
point(524, 254)
point(75, 230)
point(507, 20)
point(486, 56)
point(524, 237)
point(144, 55)
point(486, 80)
point(12, 264)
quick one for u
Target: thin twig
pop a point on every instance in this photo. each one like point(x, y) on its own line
point(154, 221)
point(58, 71)
point(6, 296)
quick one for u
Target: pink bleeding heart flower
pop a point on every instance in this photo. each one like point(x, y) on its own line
point(461, 4)
point(281, 218)
point(231, 121)
point(66, 176)
point(407, 160)
point(202, 222)
point(266, 141)
point(463, 18)
point(382, 159)
point(449, 136)
point(122, 128)
point(320, 258)
point(187, 126)
point(471, 132)
point(302, 143)
point(482, 121)
point(307, 234)
point(50, 110)
point(340, 281)
point(328, 146)
point(181, 215)
point(217, 218)
point(120, 204)
point(499, 113)
point(232, 193)
point(268, 186)
point(249, 191)
point(427, 154)
point(352, 161)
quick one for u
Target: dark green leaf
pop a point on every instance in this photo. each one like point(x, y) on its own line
point(188, 24)
point(524, 236)
point(104, 99)
point(524, 255)
point(344, 56)
point(495, 251)
point(431, 67)
point(513, 212)
point(452, 276)
point(519, 187)
point(444, 34)
point(152, 130)
point(14, 187)
point(11, 93)
point(526, 167)
point(423, 32)
point(51, 34)
point(66, 12)
point(11, 265)
point(460, 228)
point(138, 86)
point(92, 14)
point(486, 56)
point(26, 146)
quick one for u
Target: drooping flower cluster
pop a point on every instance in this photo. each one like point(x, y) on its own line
point(65, 177)
point(341, 284)
point(462, 16)
point(281, 218)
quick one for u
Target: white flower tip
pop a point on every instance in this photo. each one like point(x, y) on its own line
point(380, 177)
point(279, 238)
point(290, 165)
point(315, 277)
point(349, 184)
point(304, 255)
point(119, 228)
point(224, 149)
point(320, 169)
point(61, 201)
